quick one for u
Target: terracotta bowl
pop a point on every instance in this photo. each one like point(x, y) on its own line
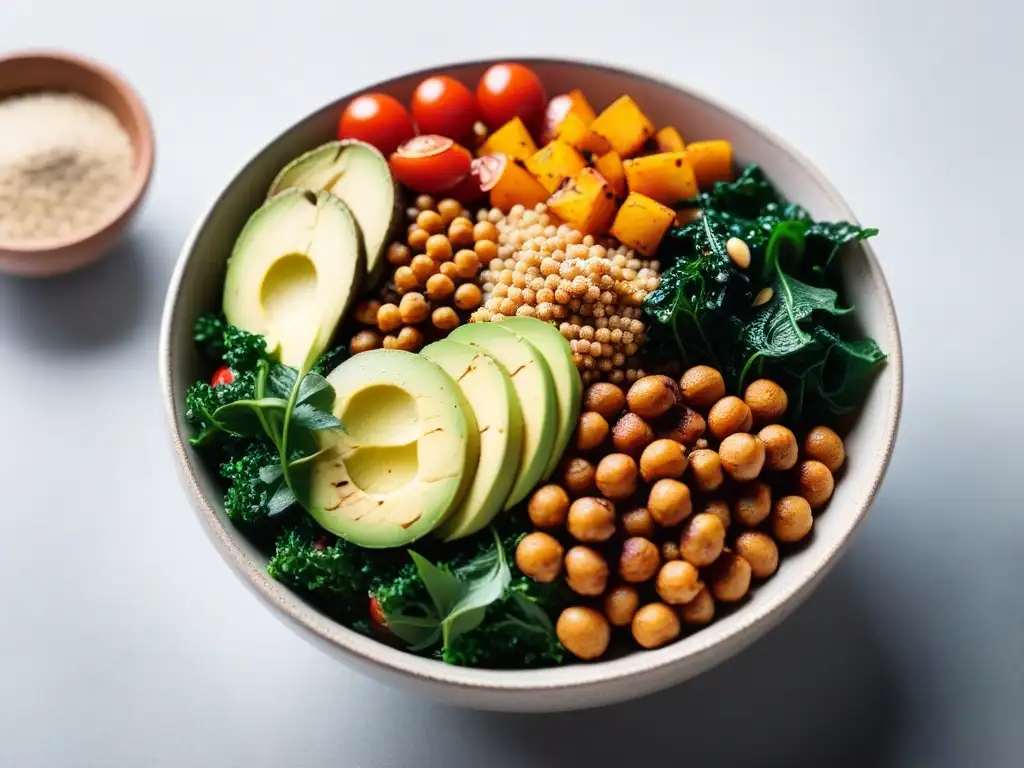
point(49, 71)
point(196, 287)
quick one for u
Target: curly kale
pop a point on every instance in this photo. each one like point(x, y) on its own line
point(201, 399)
point(249, 495)
point(238, 349)
point(330, 360)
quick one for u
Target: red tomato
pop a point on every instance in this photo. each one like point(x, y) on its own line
point(378, 621)
point(484, 173)
point(511, 90)
point(377, 119)
point(430, 163)
point(444, 106)
point(554, 114)
point(222, 375)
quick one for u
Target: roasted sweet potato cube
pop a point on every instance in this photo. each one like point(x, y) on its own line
point(515, 186)
point(669, 140)
point(666, 177)
point(609, 165)
point(624, 126)
point(574, 131)
point(512, 139)
point(711, 161)
point(587, 202)
point(641, 223)
point(555, 162)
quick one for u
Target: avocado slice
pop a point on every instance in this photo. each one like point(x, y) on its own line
point(406, 456)
point(293, 272)
point(536, 391)
point(568, 386)
point(358, 174)
point(499, 419)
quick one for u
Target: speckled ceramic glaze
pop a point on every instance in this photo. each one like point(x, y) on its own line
point(196, 286)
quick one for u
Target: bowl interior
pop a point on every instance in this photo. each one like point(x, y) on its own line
point(197, 286)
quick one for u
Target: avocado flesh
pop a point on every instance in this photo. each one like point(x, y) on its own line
point(358, 174)
point(405, 457)
point(568, 386)
point(489, 391)
point(535, 389)
point(293, 272)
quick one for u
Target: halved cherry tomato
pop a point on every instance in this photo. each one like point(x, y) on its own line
point(222, 375)
point(483, 174)
point(444, 106)
point(511, 90)
point(556, 111)
point(430, 163)
point(378, 621)
point(377, 119)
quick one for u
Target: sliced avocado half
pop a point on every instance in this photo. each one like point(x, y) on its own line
point(293, 272)
point(499, 419)
point(358, 174)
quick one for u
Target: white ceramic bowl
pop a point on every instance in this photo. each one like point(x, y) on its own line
point(196, 287)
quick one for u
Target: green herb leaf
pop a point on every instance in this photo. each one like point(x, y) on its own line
point(242, 417)
point(281, 380)
point(282, 500)
point(271, 472)
point(308, 417)
point(316, 392)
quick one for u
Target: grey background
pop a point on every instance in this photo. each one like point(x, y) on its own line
point(125, 641)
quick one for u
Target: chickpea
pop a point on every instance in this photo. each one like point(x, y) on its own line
point(616, 476)
point(670, 551)
point(467, 264)
point(700, 610)
point(824, 445)
point(753, 504)
point(461, 233)
point(539, 556)
point(669, 502)
point(549, 506)
point(702, 386)
point(729, 577)
point(591, 519)
point(439, 287)
point(425, 202)
point(449, 270)
point(728, 416)
point(430, 222)
point(584, 632)
point(655, 624)
point(586, 571)
point(439, 248)
point(649, 398)
point(620, 605)
point(485, 230)
point(780, 447)
point(639, 522)
point(767, 401)
point(631, 435)
point(423, 267)
point(410, 339)
point(791, 518)
point(682, 424)
point(816, 483)
point(663, 458)
point(406, 280)
point(486, 251)
point(742, 456)
point(604, 398)
point(417, 239)
point(391, 342)
point(760, 550)
point(398, 254)
point(702, 540)
point(444, 318)
point(720, 509)
point(366, 311)
point(578, 476)
point(639, 560)
point(413, 308)
point(678, 582)
point(672, 384)
point(591, 431)
point(389, 317)
point(364, 341)
point(449, 210)
point(468, 296)
point(706, 468)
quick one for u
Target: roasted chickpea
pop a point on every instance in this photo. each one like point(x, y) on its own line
point(425, 203)
point(639, 560)
point(439, 249)
point(549, 506)
point(824, 445)
point(461, 233)
point(439, 287)
point(758, 549)
point(729, 577)
point(669, 502)
point(682, 424)
point(720, 509)
point(702, 386)
point(620, 605)
point(389, 317)
point(702, 540)
point(423, 267)
point(591, 519)
point(728, 416)
point(767, 401)
point(663, 458)
point(604, 398)
point(417, 239)
point(591, 431)
point(616, 476)
point(486, 251)
point(753, 504)
point(485, 230)
point(780, 447)
point(399, 254)
point(670, 551)
point(366, 311)
point(406, 280)
point(467, 264)
point(364, 341)
point(468, 296)
point(706, 468)
point(678, 582)
point(449, 270)
point(700, 610)
point(578, 477)
point(639, 522)
point(413, 308)
point(655, 624)
point(791, 518)
point(390, 342)
point(584, 632)
point(430, 222)
point(444, 318)
point(631, 435)
point(539, 556)
point(449, 209)
point(586, 571)
point(816, 483)
point(742, 456)
point(649, 397)
point(410, 339)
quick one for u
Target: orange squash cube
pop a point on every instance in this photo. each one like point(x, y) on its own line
point(609, 165)
point(666, 177)
point(587, 202)
point(555, 162)
point(641, 223)
point(623, 126)
point(711, 161)
point(669, 140)
point(511, 184)
point(512, 139)
point(574, 131)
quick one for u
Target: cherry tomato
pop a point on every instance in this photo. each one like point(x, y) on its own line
point(444, 106)
point(377, 119)
point(556, 111)
point(511, 90)
point(430, 163)
point(484, 173)
point(377, 613)
point(222, 375)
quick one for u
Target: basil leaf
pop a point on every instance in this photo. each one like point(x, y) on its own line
point(308, 417)
point(532, 612)
point(315, 391)
point(282, 500)
point(480, 592)
point(242, 417)
point(420, 632)
point(281, 380)
point(444, 588)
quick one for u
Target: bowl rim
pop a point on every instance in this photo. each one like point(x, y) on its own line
point(144, 150)
point(368, 652)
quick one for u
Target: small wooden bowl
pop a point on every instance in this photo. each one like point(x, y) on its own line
point(51, 71)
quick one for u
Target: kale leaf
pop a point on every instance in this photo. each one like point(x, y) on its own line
point(256, 491)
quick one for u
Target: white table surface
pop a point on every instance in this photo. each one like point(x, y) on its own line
point(124, 640)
